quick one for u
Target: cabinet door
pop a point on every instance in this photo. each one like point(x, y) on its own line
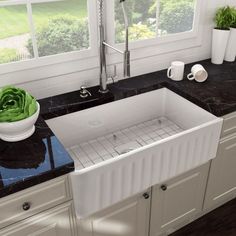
point(229, 124)
point(55, 222)
point(128, 218)
point(222, 179)
point(178, 200)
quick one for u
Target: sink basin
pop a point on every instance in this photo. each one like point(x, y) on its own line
point(124, 147)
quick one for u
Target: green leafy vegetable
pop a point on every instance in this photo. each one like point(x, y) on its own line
point(16, 104)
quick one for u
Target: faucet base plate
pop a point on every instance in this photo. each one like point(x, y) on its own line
point(103, 91)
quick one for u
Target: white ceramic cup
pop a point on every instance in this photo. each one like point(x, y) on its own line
point(176, 71)
point(198, 73)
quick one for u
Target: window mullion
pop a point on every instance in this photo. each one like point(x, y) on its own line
point(157, 16)
point(93, 26)
point(32, 29)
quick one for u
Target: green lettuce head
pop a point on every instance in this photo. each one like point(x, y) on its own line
point(16, 104)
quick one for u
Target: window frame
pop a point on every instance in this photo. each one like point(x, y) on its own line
point(166, 39)
point(86, 62)
point(57, 58)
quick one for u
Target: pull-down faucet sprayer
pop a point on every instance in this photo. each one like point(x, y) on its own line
point(103, 44)
point(126, 52)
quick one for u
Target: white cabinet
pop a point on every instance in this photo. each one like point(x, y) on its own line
point(43, 210)
point(170, 205)
point(31, 201)
point(222, 179)
point(221, 185)
point(55, 222)
point(178, 200)
point(128, 218)
point(229, 124)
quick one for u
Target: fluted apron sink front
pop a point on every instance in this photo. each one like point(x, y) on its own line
point(124, 147)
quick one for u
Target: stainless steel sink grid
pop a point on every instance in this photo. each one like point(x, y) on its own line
point(112, 145)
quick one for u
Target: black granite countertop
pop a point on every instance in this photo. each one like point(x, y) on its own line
point(216, 95)
point(42, 157)
point(32, 161)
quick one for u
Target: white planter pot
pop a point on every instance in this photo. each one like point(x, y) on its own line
point(219, 44)
point(231, 47)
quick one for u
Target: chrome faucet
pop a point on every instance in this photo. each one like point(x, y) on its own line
point(103, 45)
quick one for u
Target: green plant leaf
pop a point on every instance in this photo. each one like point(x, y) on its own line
point(233, 23)
point(224, 18)
point(16, 104)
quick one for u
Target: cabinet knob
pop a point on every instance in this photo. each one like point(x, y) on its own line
point(163, 187)
point(26, 206)
point(146, 195)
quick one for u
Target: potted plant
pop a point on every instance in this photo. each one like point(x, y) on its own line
point(231, 47)
point(223, 19)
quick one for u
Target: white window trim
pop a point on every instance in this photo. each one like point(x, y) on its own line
point(57, 58)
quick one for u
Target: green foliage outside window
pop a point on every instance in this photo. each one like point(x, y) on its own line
point(8, 55)
point(136, 32)
point(174, 17)
point(61, 34)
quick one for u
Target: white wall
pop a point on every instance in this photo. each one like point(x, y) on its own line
point(58, 79)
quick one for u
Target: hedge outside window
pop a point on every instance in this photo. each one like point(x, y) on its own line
point(38, 29)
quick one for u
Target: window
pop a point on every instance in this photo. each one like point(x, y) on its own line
point(48, 38)
point(33, 29)
point(154, 18)
point(154, 21)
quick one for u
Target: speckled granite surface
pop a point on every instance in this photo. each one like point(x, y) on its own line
point(42, 157)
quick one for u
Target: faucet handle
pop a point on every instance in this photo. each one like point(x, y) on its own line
point(114, 76)
point(84, 92)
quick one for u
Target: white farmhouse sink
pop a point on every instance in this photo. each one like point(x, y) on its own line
point(124, 147)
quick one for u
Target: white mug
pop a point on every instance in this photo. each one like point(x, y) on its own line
point(176, 71)
point(198, 73)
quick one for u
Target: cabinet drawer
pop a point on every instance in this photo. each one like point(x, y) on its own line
point(229, 124)
point(58, 221)
point(23, 204)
